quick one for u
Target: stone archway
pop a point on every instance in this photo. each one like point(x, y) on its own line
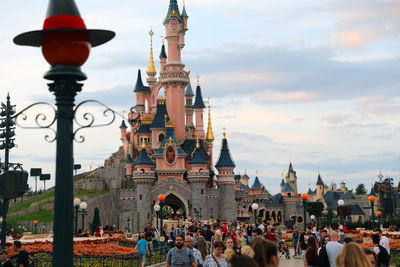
point(176, 202)
point(273, 216)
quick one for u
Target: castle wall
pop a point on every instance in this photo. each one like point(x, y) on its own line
point(227, 203)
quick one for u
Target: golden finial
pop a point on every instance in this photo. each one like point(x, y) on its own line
point(188, 72)
point(123, 114)
point(283, 173)
point(256, 173)
point(209, 135)
point(183, 3)
point(151, 69)
point(224, 129)
point(197, 142)
point(198, 79)
point(144, 143)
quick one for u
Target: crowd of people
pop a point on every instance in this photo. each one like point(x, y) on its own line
point(222, 244)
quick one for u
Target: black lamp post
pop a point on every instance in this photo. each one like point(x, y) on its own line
point(161, 198)
point(66, 44)
point(254, 206)
point(304, 197)
point(157, 210)
point(372, 200)
point(77, 202)
point(83, 212)
point(128, 221)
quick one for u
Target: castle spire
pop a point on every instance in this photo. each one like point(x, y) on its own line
point(209, 135)
point(184, 14)
point(173, 11)
point(151, 69)
point(225, 159)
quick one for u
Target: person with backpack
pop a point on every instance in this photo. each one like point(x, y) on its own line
point(382, 254)
point(341, 230)
point(180, 256)
point(327, 253)
point(143, 249)
point(23, 257)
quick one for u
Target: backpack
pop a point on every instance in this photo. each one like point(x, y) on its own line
point(383, 255)
point(344, 229)
point(323, 259)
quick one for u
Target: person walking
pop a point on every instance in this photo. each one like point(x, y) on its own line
point(217, 258)
point(196, 252)
point(381, 252)
point(341, 230)
point(23, 255)
point(143, 249)
point(332, 248)
point(312, 252)
point(180, 256)
point(266, 253)
point(295, 238)
point(5, 261)
point(352, 256)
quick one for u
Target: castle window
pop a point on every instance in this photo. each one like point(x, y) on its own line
point(289, 194)
point(142, 170)
point(202, 191)
point(140, 197)
point(161, 138)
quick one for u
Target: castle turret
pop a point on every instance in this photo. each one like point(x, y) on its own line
point(226, 182)
point(157, 126)
point(245, 179)
point(174, 78)
point(123, 130)
point(282, 184)
point(151, 69)
point(198, 107)
point(129, 166)
point(189, 103)
point(142, 93)
point(292, 177)
point(198, 178)
point(143, 177)
point(320, 186)
point(163, 57)
point(210, 135)
point(256, 187)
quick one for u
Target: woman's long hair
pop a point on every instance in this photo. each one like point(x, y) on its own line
point(352, 255)
point(312, 242)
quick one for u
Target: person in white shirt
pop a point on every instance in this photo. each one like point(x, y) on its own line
point(262, 227)
point(384, 241)
point(196, 252)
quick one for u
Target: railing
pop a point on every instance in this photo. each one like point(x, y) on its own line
point(157, 255)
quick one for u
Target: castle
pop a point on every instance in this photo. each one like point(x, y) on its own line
point(167, 148)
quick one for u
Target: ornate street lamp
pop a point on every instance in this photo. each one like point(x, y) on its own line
point(161, 198)
point(254, 207)
point(157, 210)
point(77, 202)
point(83, 212)
point(35, 226)
point(66, 45)
point(304, 197)
point(372, 200)
point(340, 204)
point(379, 213)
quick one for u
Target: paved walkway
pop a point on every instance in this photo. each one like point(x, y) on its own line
point(292, 262)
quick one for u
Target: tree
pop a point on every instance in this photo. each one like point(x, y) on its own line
point(360, 190)
point(315, 208)
point(96, 220)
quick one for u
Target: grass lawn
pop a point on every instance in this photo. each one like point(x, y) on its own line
point(45, 216)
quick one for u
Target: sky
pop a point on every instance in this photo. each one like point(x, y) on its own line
point(312, 82)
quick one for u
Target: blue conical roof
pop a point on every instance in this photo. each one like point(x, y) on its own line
point(159, 118)
point(372, 192)
point(198, 157)
point(225, 159)
point(198, 103)
point(310, 192)
point(319, 181)
point(184, 14)
point(189, 91)
point(123, 125)
point(173, 12)
point(162, 53)
point(287, 188)
point(129, 159)
point(282, 183)
point(256, 185)
point(139, 87)
point(143, 158)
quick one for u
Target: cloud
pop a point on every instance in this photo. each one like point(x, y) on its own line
point(365, 23)
point(335, 118)
point(285, 97)
point(379, 105)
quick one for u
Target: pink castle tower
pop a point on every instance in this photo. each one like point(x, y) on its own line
point(174, 78)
